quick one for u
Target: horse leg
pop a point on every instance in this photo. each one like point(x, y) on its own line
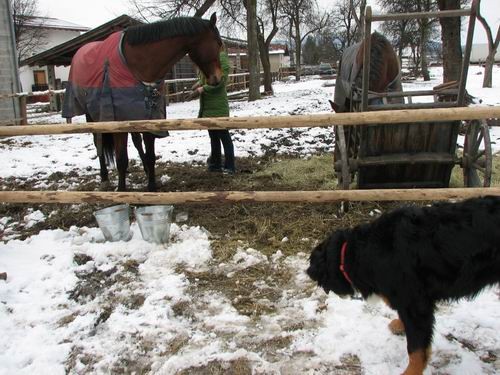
point(121, 156)
point(100, 154)
point(102, 161)
point(137, 140)
point(150, 160)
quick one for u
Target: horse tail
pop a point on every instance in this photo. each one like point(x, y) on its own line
point(108, 148)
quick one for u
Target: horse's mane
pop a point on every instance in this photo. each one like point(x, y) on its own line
point(181, 26)
point(379, 44)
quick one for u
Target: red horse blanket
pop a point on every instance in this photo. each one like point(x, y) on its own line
point(101, 86)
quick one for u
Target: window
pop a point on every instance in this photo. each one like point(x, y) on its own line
point(40, 80)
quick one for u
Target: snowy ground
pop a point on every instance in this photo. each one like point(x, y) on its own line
point(41, 155)
point(74, 303)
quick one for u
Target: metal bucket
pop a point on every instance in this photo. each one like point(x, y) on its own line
point(114, 222)
point(154, 222)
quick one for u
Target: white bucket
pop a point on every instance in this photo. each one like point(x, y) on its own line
point(154, 222)
point(114, 222)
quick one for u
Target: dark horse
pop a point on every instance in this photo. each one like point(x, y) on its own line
point(121, 78)
point(384, 76)
point(384, 72)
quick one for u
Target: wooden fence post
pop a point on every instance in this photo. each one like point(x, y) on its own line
point(23, 110)
point(167, 95)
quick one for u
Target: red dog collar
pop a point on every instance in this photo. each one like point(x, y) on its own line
point(342, 259)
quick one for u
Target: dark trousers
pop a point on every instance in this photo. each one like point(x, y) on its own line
point(216, 138)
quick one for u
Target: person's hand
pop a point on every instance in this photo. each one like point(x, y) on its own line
point(195, 86)
point(196, 92)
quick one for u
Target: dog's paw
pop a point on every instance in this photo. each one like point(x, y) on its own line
point(397, 327)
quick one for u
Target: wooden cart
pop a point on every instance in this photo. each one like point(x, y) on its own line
point(413, 155)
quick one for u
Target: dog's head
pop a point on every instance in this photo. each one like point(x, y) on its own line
point(324, 265)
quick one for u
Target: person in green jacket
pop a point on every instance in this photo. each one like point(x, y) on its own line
point(214, 103)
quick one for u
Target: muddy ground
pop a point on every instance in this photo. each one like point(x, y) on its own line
point(290, 228)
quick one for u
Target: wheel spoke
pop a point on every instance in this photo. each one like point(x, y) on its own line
point(480, 154)
point(474, 180)
point(478, 167)
point(471, 137)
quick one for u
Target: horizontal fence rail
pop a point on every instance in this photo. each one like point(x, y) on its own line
point(316, 120)
point(205, 197)
point(420, 15)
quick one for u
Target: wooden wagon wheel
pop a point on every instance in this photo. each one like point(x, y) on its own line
point(344, 177)
point(477, 159)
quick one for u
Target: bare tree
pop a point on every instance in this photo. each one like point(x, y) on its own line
point(303, 18)
point(28, 27)
point(267, 28)
point(153, 9)
point(346, 21)
point(414, 33)
point(253, 51)
point(426, 28)
point(268, 15)
point(451, 38)
point(360, 20)
point(492, 50)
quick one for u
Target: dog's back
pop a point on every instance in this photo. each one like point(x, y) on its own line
point(454, 246)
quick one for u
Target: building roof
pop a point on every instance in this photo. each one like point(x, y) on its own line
point(53, 23)
point(63, 53)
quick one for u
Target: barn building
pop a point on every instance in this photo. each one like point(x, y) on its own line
point(9, 81)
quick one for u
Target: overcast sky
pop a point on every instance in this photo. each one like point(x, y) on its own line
point(92, 13)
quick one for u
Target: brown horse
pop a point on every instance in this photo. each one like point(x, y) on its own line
point(121, 78)
point(384, 72)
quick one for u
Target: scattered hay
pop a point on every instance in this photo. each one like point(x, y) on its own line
point(240, 288)
point(240, 366)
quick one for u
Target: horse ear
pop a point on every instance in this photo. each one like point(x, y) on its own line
point(335, 107)
point(213, 19)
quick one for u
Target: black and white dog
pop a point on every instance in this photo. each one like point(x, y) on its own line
point(412, 258)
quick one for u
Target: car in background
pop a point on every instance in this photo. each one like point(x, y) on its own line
point(326, 69)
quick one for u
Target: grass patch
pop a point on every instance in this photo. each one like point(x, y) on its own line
point(457, 177)
point(314, 173)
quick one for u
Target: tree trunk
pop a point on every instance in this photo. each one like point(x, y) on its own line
point(253, 51)
point(452, 49)
point(298, 52)
point(488, 69)
point(492, 51)
point(423, 51)
point(266, 66)
point(204, 7)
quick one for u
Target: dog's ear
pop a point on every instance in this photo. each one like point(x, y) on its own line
point(317, 270)
point(324, 267)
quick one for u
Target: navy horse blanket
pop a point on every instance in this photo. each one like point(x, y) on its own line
point(101, 86)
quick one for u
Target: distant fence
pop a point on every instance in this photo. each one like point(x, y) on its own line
point(176, 90)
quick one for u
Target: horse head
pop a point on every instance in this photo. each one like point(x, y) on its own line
point(204, 52)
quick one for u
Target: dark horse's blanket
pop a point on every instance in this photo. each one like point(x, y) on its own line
point(349, 77)
point(349, 70)
point(101, 86)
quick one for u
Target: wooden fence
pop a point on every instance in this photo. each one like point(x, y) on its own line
point(177, 90)
point(255, 122)
point(321, 120)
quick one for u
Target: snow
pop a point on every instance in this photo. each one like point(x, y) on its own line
point(47, 329)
